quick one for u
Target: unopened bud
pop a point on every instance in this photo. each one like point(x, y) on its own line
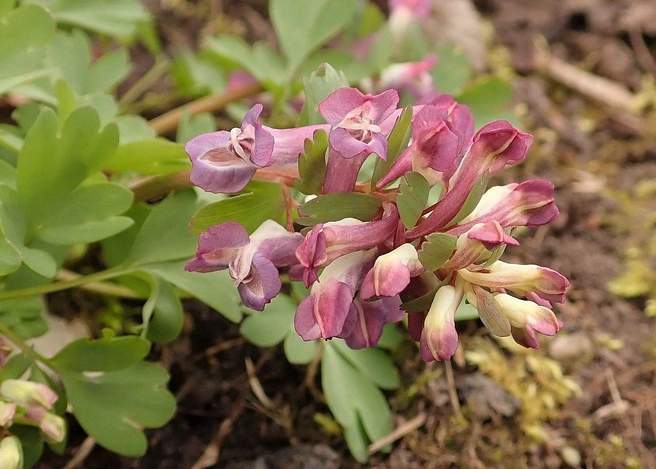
point(28, 394)
point(11, 453)
point(7, 411)
point(53, 427)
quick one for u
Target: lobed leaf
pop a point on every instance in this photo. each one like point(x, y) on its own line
point(411, 201)
point(316, 88)
point(337, 206)
point(436, 250)
point(312, 164)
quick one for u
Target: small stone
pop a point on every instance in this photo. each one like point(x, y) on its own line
point(571, 456)
point(569, 347)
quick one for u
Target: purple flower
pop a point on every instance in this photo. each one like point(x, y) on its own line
point(472, 244)
point(392, 272)
point(224, 162)
point(530, 203)
point(329, 310)
point(253, 261)
point(371, 317)
point(355, 120)
point(328, 241)
point(494, 146)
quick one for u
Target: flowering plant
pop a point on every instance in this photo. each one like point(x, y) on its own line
point(369, 247)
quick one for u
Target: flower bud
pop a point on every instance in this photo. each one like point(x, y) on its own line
point(53, 427)
point(7, 411)
point(28, 394)
point(11, 453)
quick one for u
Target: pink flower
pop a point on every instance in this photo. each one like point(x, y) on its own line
point(439, 338)
point(329, 310)
point(253, 260)
point(224, 162)
point(371, 317)
point(392, 272)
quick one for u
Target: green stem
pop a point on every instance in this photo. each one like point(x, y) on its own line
point(58, 286)
point(144, 83)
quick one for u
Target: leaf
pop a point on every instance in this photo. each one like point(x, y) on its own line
point(80, 149)
point(258, 202)
point(133, 128)
point(164, 235)
point(17, 365)
point(162, 313)
point(452, 70)
point(298, 351)
point(192, 126)
point(316, 88)
point(269, 327)
point(101, 355)
point(87, 214)
point(117, 18)
point(373, 363)
point(260, 60)
point(23, 316)
point(215, 289)
point(357, 404)
point(13, 228)
point(150, 157)
point(303, 29)
point(70, 55)
point(24, 34)
point(488, 99)
point(436, 250)
point(337, 206)
point(397, 140)
point(411, 201)
point(195, 75)
point(114, 406)
point(312, 163)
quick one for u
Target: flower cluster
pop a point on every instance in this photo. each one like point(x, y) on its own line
point(365, 273)
point(27, 403)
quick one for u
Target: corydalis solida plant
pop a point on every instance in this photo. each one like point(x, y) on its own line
point(363, 274)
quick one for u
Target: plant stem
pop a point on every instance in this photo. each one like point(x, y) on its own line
point(58, 286)
point(168, 121)
point(105, 288)
point(142, 84)
point(158, 186)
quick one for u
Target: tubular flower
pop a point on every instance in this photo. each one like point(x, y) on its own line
point(253, 260)
point(224, 162)
point(363, 275)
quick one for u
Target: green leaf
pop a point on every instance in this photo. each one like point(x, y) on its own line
point(312, 163)
point(489, 100)
point(70, 54)
point(258, 202)
point(195, 75)
point(303, 29)
point(23, 316)
point(269, 327)
point(117, 18)
point(411, 201)
point(101, 355)
point(24, 34)
point(164, 235)
point(452, 70)
point(215, 289)
point(133, 128)
point(337, 206)
point(192, 126)
point(77, 151)
point(298, 351)
point(17, 365)
point(373, 363)
point(316, 88)
point(153, 156)
point(114, 406)
point(357, 404)
point(397, 140)
point(259, 60)
point(436, 250)
point(32, 442)
point(162, 313)
point(10, 257)
point(87, 214)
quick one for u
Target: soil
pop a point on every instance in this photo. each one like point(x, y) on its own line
point(591, 151)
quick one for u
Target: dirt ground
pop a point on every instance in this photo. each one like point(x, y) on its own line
point(496, 407)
